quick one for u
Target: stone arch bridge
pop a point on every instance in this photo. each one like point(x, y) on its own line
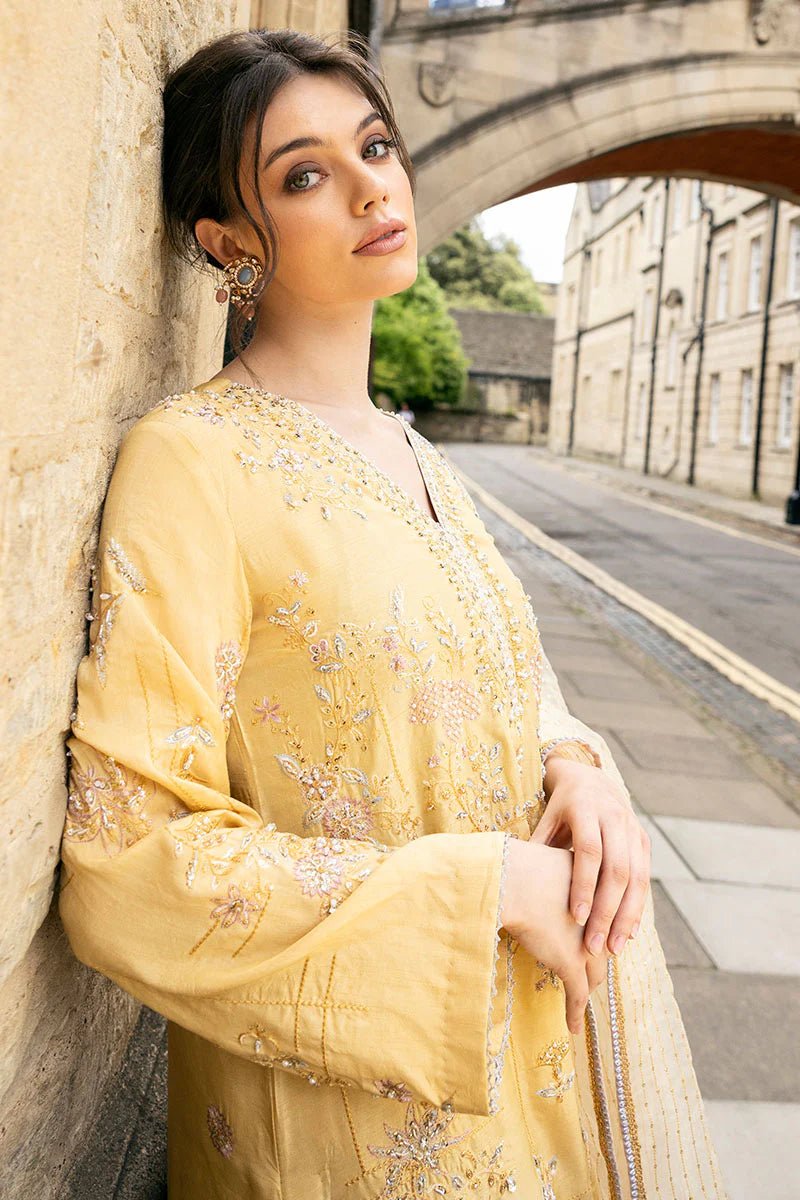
point(497, 101)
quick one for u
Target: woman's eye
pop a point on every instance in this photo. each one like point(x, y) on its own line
point(299, 175)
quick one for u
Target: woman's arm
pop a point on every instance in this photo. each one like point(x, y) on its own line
point(344, 960)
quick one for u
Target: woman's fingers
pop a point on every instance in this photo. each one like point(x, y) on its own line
point(629, 913)
point(615, 872)
point(579, 983)
point(576, 988)
point(587, 844)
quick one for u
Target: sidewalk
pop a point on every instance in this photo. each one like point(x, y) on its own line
point(725, 879)
point(748, 515)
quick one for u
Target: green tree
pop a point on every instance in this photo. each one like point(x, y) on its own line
point(417, 351)
point(485, 273)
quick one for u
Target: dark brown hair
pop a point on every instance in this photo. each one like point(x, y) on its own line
point(209, 102)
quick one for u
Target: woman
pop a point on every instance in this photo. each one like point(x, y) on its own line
point(310, 674)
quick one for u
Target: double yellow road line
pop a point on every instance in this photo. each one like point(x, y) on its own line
point(758, 683)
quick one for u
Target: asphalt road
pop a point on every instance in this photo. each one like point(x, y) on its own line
point(744, 594)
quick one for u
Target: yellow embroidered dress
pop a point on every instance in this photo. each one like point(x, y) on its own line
point(302, 692)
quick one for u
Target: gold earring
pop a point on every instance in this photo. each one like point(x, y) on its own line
point(241, 279)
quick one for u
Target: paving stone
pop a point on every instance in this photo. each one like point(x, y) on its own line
point(637, 717)
point(681, 948)
point(593, 658)
point(665, 862)
point(743, 928)
point(761, 1144)
point(658, 751)
point(744, 1032)
point(604, 686)
point(741, 800)
point(736, 853)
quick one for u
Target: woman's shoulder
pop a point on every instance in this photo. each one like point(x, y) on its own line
point(196, 415)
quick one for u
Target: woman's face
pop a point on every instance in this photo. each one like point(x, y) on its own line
point(324, 199)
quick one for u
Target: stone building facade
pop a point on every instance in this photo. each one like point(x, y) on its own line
point(677, 338)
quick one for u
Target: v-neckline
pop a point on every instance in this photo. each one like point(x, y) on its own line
point(339, 439)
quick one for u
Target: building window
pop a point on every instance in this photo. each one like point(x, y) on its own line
point(746, 409)
point(754, 277)
point(713, 411)
point(672, 355)
point(695, 206)
point(785, 406)
point(641, 412)
point(793, 272)
point(722, 286)
point(677, 205)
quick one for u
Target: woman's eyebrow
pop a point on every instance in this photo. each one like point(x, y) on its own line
point(298, 143)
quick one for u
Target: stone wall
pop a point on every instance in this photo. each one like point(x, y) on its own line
point(104, 325)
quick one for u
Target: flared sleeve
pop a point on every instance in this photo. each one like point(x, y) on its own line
point(348, 961)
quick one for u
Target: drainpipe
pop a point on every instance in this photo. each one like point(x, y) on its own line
point(654, 348)
point(578, 335)
point(706, 210)
point(775, 206)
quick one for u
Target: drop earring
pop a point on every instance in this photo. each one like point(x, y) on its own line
point(241, 279)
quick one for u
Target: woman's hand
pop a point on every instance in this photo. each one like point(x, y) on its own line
point(588, 813)
point(536, 912)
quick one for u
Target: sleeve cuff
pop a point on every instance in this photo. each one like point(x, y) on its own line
point(571, 748)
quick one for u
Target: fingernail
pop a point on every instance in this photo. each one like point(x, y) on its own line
point(581, 913)
point(617, 942)
point(595, 943)
point(635, 930)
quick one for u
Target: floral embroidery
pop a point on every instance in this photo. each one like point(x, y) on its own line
point(189, 737)
point(238, 907)
point(320, 871)
point(417, 1160)
point(242, 903)
point(227, 666)
point(454, 700)
point(554, 1056)
point(107, 806)
point(393, 1091)
point(110, 602)
point(266, 710)
point(219, 1131)
point(415, 1152)
point(125, 568)
point(546, 1171)
point(325, 867)
point(258, 1038)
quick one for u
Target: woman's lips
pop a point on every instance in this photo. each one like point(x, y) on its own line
point(385, 244)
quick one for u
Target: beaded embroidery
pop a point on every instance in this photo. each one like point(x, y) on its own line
point(259, 1040)
point(418, 1160)
point(554, 1056)
point(109, 602)
point(219, 1131)
point(108, 806)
